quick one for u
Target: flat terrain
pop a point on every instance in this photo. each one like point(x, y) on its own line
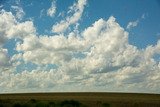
point(84, 99)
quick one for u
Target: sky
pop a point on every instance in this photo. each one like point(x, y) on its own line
point(79, 46)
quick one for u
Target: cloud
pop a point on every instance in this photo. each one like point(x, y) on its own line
point(7, 20)
point(31, 80)
point(58, 47)
point(4, 59)
point(132, 24)
point(100, 57)
point(11, 28)
point(1, 6)
point(52, 10)
point(143, 16)
point(42, 12)
point(135, 23)
point(19, 12)
point(108, 58)
point(76, 10)
point(21, 30)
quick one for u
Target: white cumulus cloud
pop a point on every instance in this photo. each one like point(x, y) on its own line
point(4, 59)
point(76, 10)
point(100, 57)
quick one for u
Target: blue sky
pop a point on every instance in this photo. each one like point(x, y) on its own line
point(80, 43)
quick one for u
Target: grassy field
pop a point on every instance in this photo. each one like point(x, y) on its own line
point(79, 100)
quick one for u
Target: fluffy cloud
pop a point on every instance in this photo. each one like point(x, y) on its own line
point(76, 10)
point(31, 80)
point(4, 59)
point(21, 30)
point(50, 50)
point(7, 20)
point(99, 57)
point(10, 28)
point(52, 10)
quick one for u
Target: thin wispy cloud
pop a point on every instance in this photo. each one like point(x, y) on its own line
point(52, 10)
point(77, 10)
point(135, 23)
point(1, 6)
point(19, 12)
point(132, 24)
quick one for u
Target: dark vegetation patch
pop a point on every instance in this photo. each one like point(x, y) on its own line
point(17, 105)
point(71, 103)
point(33, 101)
point(80, 100)
point(106, 105)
